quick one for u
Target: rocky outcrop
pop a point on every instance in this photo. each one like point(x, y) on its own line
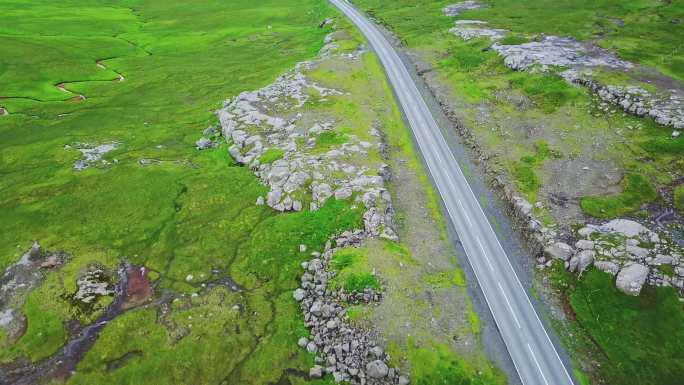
point(93, 284)
point(92, 154)
point(19, 279)
point(559, 52)
point(577, 58)
point(667, 110)
point(622, 247)
point(455, 9)
point(347, 353)
point(269, 131)
point(273, 119)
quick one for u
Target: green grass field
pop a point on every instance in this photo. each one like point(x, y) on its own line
point(189, 214)
point(628, 331)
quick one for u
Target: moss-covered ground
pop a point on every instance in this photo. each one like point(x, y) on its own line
point(626, 331)
point(189, 217)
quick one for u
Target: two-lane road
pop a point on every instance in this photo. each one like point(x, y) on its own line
point(533, 354)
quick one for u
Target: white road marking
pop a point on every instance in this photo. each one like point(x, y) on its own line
point(465, 213)
point(510, 308)
point(485, 254)
point(534, 356)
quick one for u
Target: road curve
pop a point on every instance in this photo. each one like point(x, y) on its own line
point(534, 355)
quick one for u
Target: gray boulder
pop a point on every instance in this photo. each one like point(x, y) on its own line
point(559, 250)
point(582, 260)
point(584, 244)
point(299, 295)
point(377, 369)
point(607, 266)
point(204, 144)
point(316, 372)
point(631, 278)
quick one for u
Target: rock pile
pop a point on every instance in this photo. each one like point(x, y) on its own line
point(557, 51)
point(269, 131)
point(19, 279)
point(456, 9)
point(93, 284)
point(665, 110)
point(577, 57)
point(624, 248)
point(272, 119)
point(347, 353)
point(91, 154)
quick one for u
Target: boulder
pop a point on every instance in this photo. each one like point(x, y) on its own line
point(522, 206)
point(629, 229)
point(631, 278)
point(316, 372)
point(559, 250)
point(582, 260)
point(377, 369)
point(584, 244)
point(607, 266)
point(586, 231)
point(299, 295)
point(302, 342)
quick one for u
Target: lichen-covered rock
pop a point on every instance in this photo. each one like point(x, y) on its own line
point(559, 250)
point(631, 278)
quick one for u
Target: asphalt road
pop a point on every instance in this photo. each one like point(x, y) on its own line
point(534, 355)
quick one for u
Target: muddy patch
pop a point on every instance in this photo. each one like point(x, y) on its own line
point(133, 289)
point(18, 280)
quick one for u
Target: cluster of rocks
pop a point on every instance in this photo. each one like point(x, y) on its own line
point(211, 139)
point(577, 58)
point(91, 154)
point(621, 247)
point(272, 120)
point(455, 9)
point(472, 29)
point(19, 279)
point(93, 284)
point(665, 110)
point(559, 52)
point(625, 248)
point(347, 353)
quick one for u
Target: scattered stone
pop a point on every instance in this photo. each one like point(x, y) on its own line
point(607, 266)
point(559, 250)
point(95, 283)
point(456, 9)
point(299, 295)
point(91, 155)
point(205, 144)
point(631, 278)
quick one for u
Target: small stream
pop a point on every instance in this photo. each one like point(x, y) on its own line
point(132, 290)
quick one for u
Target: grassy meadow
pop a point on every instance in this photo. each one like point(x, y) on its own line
point(189, 213)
